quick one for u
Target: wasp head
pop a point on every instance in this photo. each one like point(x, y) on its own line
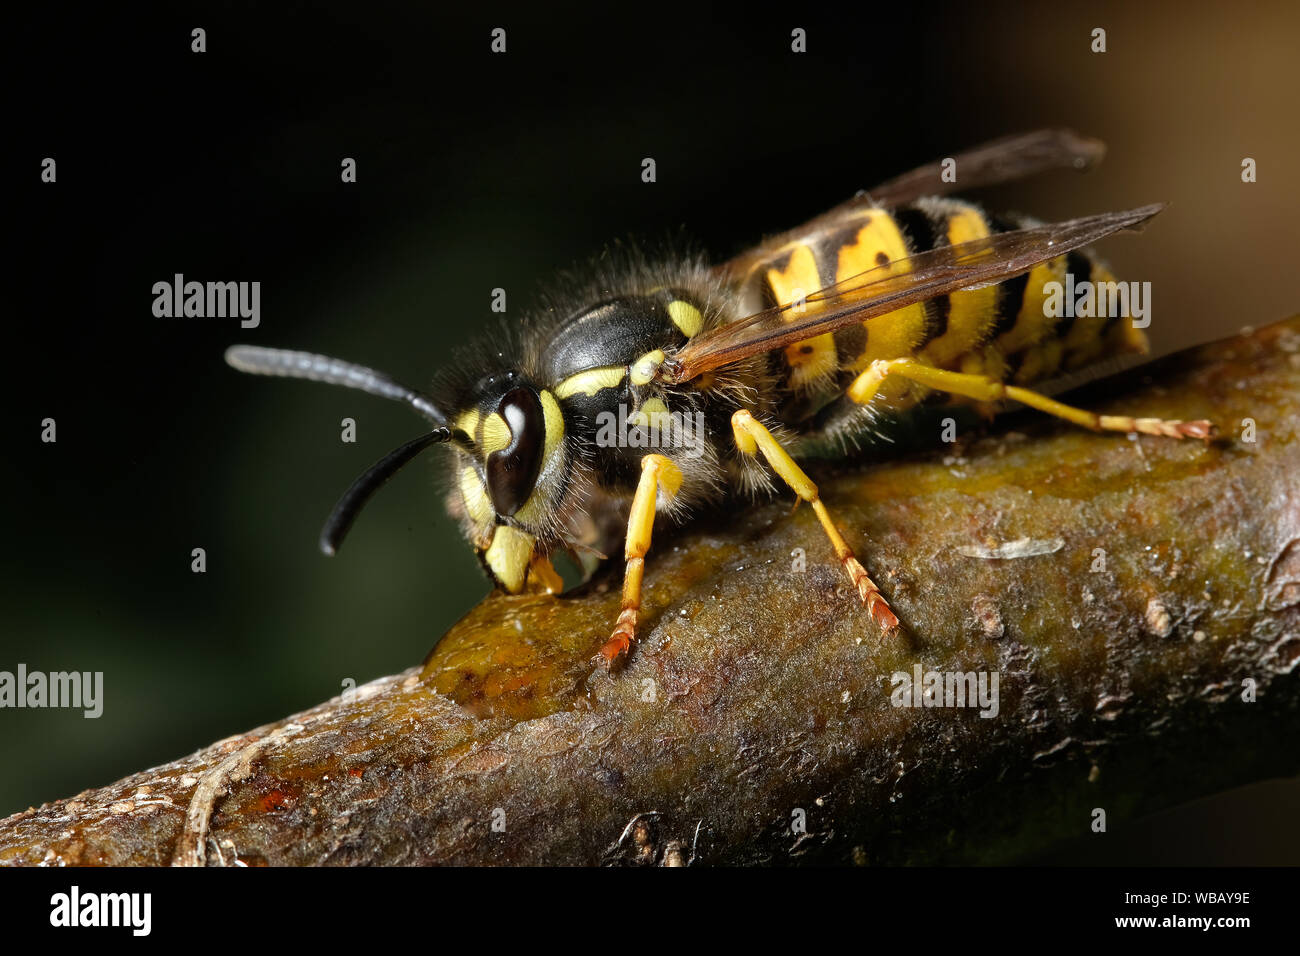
point(511, 471)
point(511, 464)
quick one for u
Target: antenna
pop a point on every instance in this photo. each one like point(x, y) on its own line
point(370, 481)
point(284, 363)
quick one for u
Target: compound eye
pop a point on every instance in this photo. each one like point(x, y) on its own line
point(512, 471)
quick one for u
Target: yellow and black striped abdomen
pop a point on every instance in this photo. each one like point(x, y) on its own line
point(1031, 344)
point(1003, 331)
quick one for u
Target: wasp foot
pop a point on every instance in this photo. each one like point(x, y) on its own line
point(616, 649)
point(875, 602)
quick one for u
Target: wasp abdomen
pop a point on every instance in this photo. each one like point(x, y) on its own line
point(1006, 331)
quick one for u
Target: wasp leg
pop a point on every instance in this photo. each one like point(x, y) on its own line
point(751, 438)
point(656, 472)
point(985, 389)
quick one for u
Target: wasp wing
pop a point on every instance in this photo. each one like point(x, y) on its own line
point(1002, 160)
point(968, 265)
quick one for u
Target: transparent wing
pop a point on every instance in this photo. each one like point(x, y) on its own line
point(969, 265)
point(1002, 160)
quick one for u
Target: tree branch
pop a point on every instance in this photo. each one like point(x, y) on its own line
point(1127, 593)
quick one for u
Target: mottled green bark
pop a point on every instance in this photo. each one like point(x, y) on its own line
point(761, 692)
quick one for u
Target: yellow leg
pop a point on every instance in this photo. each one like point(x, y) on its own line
point(656, 471)
point(752, 438)
point(985, 389)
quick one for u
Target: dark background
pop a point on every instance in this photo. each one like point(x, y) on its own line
point(477, 171)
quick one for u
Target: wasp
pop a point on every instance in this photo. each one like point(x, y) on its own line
point(655, 390)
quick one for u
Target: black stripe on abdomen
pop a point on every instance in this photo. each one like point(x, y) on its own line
point(922, 234)
point(1080, 267)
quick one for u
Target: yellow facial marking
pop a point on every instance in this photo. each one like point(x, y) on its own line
point(554, 419)
point(509, 556)
point(496, 433)
point(644, 368)
point(468, 423)
point(649, 411)
point(476, 499)
point(686, 317)
point(590, 382)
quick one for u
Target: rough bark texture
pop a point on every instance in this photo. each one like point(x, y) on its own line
point(761, 694)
